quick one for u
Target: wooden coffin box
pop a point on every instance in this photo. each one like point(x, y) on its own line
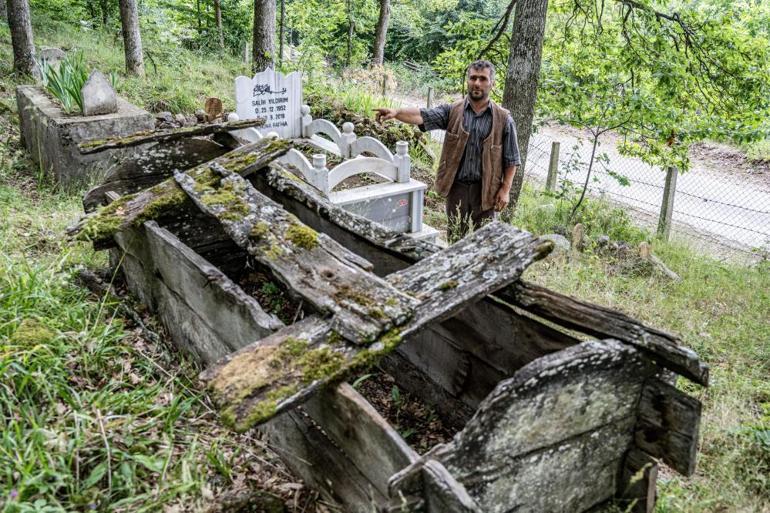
point(566, 406)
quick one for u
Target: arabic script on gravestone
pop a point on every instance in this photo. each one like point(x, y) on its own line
point(272, 105)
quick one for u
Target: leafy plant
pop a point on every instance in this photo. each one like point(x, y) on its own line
point(65, 81)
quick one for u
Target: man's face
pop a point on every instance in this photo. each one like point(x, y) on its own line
point(479, 83)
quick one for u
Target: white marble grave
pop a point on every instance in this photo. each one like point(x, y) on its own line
point(274, 97)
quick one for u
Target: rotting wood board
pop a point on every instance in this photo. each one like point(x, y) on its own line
point(174, 134)
point(279, 371)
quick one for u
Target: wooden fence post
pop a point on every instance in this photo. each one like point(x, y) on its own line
point(384, 83)
point(553, 167)
point(429, 104)
point(667, 205)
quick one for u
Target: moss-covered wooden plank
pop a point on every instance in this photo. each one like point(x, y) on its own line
point(553, 436)
point(135, 139)
point(600, 321)
point(150, 167)
point(363, 305)
point(134, 209)
point(280, 371)
point(581, 316)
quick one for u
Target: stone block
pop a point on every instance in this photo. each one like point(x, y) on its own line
point(98, 95)
point(51, 136)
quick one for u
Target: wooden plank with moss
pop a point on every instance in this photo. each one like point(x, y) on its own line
point(279, 372)
point(363, 305)
point(600, 321)
point(134, 209)
point(150, 136)
point(581, 316)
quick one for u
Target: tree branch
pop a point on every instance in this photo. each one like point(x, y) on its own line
point(498, 29)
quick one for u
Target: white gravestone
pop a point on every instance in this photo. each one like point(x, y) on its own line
point(274, 97)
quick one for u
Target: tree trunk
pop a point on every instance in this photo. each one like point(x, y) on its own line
point(381, 33)
point(21, 37)
point(104, 6)
point(218, 14)
point(351, 30)
point(132, 39)
point(521, 79)
point(198, 15)
point(264, 35)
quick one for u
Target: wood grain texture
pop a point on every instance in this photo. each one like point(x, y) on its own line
point(313, 266)
point(600, 321)
point(174, 134)
point(275, 373)
point(368, 440)
point(637, 487)
point(428, 487)
point(151, 167)
point(306, 450)
point(669, 425)
point(148, 204)
point(562, 422)
point(206, 313)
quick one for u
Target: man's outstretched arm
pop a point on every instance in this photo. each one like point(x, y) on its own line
point(409, 115)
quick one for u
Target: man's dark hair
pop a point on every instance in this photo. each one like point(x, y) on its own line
point(482, 64)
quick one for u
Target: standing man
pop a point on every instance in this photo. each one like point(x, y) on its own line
point(480, 154)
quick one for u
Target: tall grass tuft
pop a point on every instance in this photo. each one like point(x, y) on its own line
point(65, 81)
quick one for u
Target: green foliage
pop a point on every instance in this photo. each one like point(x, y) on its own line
point(758, 151)
point(65, 81)
point(665, 81)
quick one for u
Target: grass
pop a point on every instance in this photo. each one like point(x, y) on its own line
point(94, 415)
point(720, 309)
point(178, 80)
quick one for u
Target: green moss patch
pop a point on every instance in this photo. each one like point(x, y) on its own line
point(302, 236)
point(31, 332)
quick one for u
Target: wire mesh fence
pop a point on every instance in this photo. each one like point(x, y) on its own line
point(713, 207)
point(717, 209)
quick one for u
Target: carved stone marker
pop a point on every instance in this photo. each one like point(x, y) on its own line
point(274, 97)
point(98, 95)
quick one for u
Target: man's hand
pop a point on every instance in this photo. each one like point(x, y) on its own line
point(502, 198)
point(409, 115)
point(384, 114)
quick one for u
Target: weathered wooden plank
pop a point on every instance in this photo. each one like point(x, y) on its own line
point(637, 491)
point(572, 475)
point(367, 439)
point(563, 421)
point(207, 314)
point(151, 167)
point(364, 306)
point(174, 134)
point(149, 204)
point(591, 384)
point(600, 321)
point(669, 425)
point(393, 252)
point(308, 452)
point(429, 488)
point(469, 270)
point(235, 317)
point(278, 368)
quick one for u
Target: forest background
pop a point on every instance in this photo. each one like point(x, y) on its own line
point(96, 415)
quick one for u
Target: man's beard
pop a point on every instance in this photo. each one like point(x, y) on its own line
point(478, 95)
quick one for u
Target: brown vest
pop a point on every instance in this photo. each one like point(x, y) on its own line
point(491, 154)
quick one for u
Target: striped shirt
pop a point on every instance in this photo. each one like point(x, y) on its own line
point(478, 127)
